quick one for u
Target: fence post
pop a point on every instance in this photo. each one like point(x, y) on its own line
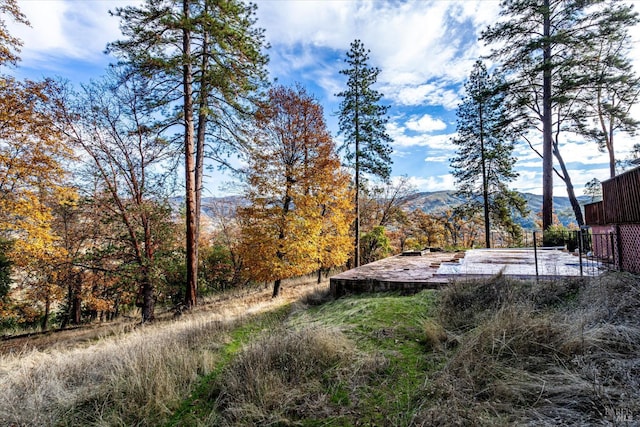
point(613, 249)
point(580, 249)
point(535, 253)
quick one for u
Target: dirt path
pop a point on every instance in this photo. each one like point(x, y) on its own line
point(246, 301)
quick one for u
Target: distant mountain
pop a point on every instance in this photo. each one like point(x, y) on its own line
point(429, 202)
point(438, 201)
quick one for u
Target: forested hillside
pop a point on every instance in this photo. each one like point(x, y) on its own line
point(429, 202)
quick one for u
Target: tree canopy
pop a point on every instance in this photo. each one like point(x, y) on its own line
point(484, 162)
point(362, 121)
point(208, 56)
point(296, 221)
point(542, 47)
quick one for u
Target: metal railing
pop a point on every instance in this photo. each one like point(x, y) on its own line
point(596, 251)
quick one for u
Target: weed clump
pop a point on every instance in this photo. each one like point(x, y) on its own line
point(281, 377)
point(466, 304)
point(539, 354)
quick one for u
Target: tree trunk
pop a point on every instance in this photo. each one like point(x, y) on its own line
point(570, 191)
point(547, 140)
point(148, 300)
point(47, 312)
point(612, 155)
point(356, 255)
point(76, 301)
point(485, 183)
point(67, 316)
point(199, 160)
point(190, 170)
point(276, 288)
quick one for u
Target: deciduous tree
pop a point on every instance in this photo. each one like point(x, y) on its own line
point(10, 45)
point(128, 165)
point(32, 176)
point(294, 223)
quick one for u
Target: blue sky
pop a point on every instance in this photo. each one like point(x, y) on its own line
point(425, 50)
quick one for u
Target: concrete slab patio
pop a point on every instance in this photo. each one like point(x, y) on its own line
point(434, 269)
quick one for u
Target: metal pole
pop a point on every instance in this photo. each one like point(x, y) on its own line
point(535, 253)
point(580, 249)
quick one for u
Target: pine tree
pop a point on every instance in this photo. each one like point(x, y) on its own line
point(593, 188)
point(484, 163)
point(362, 123)
point(542, 46)
point(613, 87)
point(208, 56)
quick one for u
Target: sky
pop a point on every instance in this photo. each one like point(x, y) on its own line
point(425, 50)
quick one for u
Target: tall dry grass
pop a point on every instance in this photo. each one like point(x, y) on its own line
point(136, 377)
point(293, 375)
point(540, 354)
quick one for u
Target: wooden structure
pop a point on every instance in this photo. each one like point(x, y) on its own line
point(615, 221)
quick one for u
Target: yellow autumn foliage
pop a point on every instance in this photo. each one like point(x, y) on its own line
point(31, 173)
point(299, 213)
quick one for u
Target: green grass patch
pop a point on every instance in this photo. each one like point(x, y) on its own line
point(199, 405)
point(361, 359)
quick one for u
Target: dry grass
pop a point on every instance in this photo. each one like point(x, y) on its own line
point(540, 354)
point(138, 376)
point(122, 375)
point(279, 379)
point(497, 353)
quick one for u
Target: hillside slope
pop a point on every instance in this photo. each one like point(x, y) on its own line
point(429, 202)
point(438, 201)
point(487, 353)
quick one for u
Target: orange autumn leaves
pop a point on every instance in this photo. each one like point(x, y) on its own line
point(299, 211)
point(32, 179)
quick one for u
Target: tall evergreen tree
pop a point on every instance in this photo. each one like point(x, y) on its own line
point(208, 55)
point(613, 87)
point(484, 162)
point(541, 45)
point(362, 122)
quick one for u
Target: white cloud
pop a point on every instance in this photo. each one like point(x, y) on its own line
point(432, 93)
point(421, 47)
point(70, 29)
point(437, 159)
point(398, 133)
point(432, 183)
point(426, 123)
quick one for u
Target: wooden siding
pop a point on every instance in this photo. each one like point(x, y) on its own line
point(594, 214)
point(621, 198)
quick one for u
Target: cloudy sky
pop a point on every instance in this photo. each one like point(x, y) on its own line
point(425, 50)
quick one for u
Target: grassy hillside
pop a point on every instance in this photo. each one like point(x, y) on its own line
point(477, 353)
